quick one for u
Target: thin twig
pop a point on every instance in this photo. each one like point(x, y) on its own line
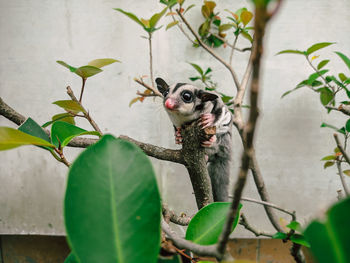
point(233, 49)
point(86, 113)
point(340, 147)
point(185, 244)
point(179, 220)
point(252, 229)
point(291, 213)
point(210, 50)
point(142, 83)
point(82, 90)
point(150, 57)
point(341, 175)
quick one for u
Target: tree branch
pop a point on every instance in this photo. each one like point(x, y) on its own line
point(11, 114)
point(181, 243)
point(156, 92)
point(291, 213)
point(170, 215)
point(252, 229)
point(346, 189)
point(340, 147)
point(209, 50)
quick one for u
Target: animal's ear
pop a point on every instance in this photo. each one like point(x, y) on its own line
point(162, 86)
point(207, 96)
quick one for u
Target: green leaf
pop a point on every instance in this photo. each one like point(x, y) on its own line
point(32, 128)
point(155, 18)
point(225, 27)
point(246, 35)
point(64, 64)
point(188, 8)
point(330, 240)
point(204, 28)
point(347, 126)
point(326, 96)
point(342, 77)
point(300, 239)
point(66, 117)
point(315, 76)
point(170, 25)
point(198, 68)
point(291, 51)
point(131, 16)
point(11, 138)
point(328, 164)
point(322, 64)
point(87, 71)
point(294, 225)
point(344, 58)
point(71, 259)
point(112, 206)
point(279, 235)
point(318, 46)
point(194, 78)
point(206, 226)
point(246, 16)
point(101, 62)
point(332, 127)
point(63, 132)
point(69, 105)
point(208, 71)
point(346, 172)
point(329, 157)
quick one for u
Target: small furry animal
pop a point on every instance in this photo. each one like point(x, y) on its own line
point(186, 103)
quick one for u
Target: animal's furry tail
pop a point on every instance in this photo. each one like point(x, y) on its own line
point(219, 167)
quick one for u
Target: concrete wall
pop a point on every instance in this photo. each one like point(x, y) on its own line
point(290, 142)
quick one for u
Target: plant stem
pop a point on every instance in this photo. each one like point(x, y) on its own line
point(82, 90)
point(150, 58)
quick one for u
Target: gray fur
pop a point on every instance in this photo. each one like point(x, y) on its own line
point(219, 154)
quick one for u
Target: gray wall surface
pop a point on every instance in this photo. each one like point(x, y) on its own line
point(289, 143)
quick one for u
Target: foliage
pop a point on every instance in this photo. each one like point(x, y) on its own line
point(329, 87)
point(103, 193)
point(206, 226)
point(330, 238)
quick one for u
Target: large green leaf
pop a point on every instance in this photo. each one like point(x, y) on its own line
point(63, 132)
point(326, 95)
point(12, 138)
point(206, 226)
point(70, 105)
point(173, 259)
point(318, 46)
point(155, 18)
point(198, 68)
point(330, 240)
point(101, 62)
point(344, 58)
point(322, 64)
point(112, 204)
point(87, 71)
point(130, 15)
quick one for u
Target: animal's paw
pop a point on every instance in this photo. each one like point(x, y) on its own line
point(178, 137)
point(207, 120)
point(209, 142)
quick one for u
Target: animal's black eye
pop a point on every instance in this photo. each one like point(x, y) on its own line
point(187, 96)
point(165, 93)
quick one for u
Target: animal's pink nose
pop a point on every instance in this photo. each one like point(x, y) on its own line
point(170, 104)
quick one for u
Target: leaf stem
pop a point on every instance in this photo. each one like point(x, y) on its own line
point(82, 90)
point(150, 58)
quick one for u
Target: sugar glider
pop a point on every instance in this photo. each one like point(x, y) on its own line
point(186, 103)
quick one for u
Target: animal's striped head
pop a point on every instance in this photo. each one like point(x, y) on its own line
point(185, 100)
